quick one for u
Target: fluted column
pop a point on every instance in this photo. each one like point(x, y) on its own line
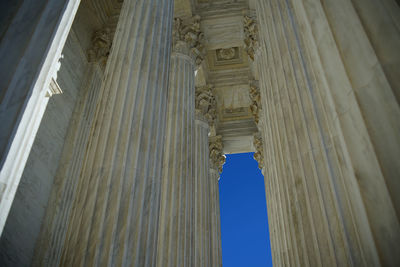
point(116, 206)
point(383, 33)
point(32, 38)
point(206, 252)
point(370, 58)
point(321, 144)
point(201, 159)
point(217, 159)
point(53, 230)
point(176, 226)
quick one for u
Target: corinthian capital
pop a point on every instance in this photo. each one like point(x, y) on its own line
point(217, 158)
point(187, 33)
point(255, 98)
point(259, 154)
point(206, 103)
point(101, 45)
point(251, 36)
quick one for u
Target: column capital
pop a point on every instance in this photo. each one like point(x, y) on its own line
point(206, 103)
point(217, 158)
point(188, 39)
point(101, 46)
point(255, 97)
point(259, 154)
point(251, 43)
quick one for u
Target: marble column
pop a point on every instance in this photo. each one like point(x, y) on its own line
point(217, 159)
point(321, 144)
point(201, 191)
point(32, 39)
point(207, 252)
point(383, 34)
point(176, 225)
point(369, 65)
point(54, 226)
point(116, 207)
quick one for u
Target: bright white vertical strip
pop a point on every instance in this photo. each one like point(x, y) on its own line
point(23, 103)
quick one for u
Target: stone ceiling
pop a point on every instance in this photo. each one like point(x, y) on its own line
point(228, 68)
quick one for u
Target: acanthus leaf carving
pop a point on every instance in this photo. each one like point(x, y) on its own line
point(251, 43)
point(101, 46)
point(259, 154)
point(255, 98)
point(217, 158)
point(206, 103)
point(189, 32)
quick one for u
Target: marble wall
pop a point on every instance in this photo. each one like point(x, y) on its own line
point(24, 221)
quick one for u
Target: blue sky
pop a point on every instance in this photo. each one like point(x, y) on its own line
point(244, 223)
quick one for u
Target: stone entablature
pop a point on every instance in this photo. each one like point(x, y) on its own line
point(217, 158)
point(250, 36)
point(186, 34)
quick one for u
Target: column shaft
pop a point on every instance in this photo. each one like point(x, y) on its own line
point(201, 155)
point(54, 227)
point(217, 159)
point(383, 33)
point(216, 250)
point(116, 206)
point(208, 164)
point(176, 234)
point(313, 153)
point(371, 83)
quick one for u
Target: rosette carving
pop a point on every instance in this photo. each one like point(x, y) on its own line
point(259, 154)
point(206, 103)
point(101, 46)
point(188, 32)
point(217, 158)
point(251, 36)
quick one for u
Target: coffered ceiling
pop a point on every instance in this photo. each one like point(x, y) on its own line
point(228, 68)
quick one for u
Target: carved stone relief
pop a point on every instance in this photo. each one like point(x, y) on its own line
point(217, 158)
point(226, 53)
point(101, 45)
point(255, 97)
point(206, 103)
point(259, 154)
point(251, 36)
point(188, 32)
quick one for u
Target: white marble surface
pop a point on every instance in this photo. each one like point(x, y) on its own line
point(319, 81)
point(26, 215)
point(29, 58)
